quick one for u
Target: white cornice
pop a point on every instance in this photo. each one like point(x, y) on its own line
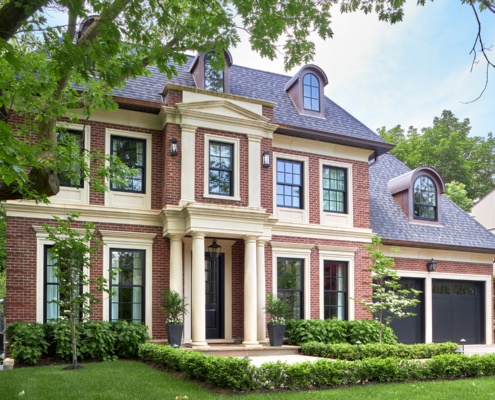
point(417, 253)
point(285, 245)
point(127, 118)
point(88, 213)
point(322, 232)
point(337, 249)
point(133, 236)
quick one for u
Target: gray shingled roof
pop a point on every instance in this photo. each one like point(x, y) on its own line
point(389, 222)
point(260, 85)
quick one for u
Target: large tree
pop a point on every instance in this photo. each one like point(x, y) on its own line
point(447, 147)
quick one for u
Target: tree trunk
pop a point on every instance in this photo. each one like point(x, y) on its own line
point(14, 13)
point(43, 181)
point(74, 342)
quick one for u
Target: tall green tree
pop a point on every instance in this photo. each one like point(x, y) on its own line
point(447, 147)
point(389, 300)
point(456, 192)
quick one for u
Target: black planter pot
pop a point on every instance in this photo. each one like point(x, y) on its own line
point(276, 334)
point(174, 334)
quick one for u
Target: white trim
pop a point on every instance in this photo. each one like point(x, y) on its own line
point(73, 195)
point(287, 214)
point(294, 250)
point(131, 241)
point(428, 292)
point(235, 174)
point(329, 218)
point(441, 255)
point(120, 199)
point(339, 254)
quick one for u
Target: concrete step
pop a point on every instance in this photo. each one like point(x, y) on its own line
point(244, 351)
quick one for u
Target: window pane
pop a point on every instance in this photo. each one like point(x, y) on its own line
point(132, 153)
point(289, 183)
point(221, 168)
point(335, 289)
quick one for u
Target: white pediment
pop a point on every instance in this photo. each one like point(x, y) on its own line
point(221, 108)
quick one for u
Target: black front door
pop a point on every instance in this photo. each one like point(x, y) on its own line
point(214, 297)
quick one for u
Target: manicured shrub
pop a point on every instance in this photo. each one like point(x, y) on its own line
point(128, 337)
point(344, 351)
point(27, 341)
point(337, 331)
point(97, 341)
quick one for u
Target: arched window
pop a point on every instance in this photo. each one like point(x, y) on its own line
point(213, 77)
point(311, 93)
point(425, 198)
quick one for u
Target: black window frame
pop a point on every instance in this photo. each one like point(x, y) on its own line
point(220, 170)
point(284, 184)
point(327, 293)
point(126, 285)
point(141, 168)
point(218, 78)
point(312, 90)
point(287, 293)
point(418, 206)
point(336, 191)
point(46, 301)
point(64, 181)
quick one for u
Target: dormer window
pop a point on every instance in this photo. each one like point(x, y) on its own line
point(425, 199)
point(311, 93)
point(306, 91)
point(418, 194)
point(213, 77)
point(209, 78)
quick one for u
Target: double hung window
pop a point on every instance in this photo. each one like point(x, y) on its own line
point(311, 93)
point(71, 177)
point(132, 152)
point(221, 168)
point(334, 189)
point(335, 289)
point(290, 272)
point(289, 183)
point(425, 199)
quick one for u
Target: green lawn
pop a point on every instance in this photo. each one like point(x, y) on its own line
point(133, 380)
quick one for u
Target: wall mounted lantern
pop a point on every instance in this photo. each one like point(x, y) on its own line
point(431, 265)
point(266, 159)
point(214, 250)
point(174, 147)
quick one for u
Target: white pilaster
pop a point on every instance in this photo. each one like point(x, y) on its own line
point(254, 171)
point(198, 291)
point(187, 165)
point(250, 293)
point(260, 260)
point(176, 263)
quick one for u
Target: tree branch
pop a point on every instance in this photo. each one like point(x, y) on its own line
point(14, 13)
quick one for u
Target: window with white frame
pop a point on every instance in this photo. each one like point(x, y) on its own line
point(289, 183)
point(127, 285)
point(132, 152)
point(290, 284)
point(334, 189)
point(335, 289)
point(221, 168)
point(72, 176)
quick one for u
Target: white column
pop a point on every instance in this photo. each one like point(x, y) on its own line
point(254, 171)
point(260, 274)
point(187, 164)
point(198, 291)
point(250, 293)
point(176, 263)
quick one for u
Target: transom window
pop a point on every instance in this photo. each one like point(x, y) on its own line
point(132, 152)
point(290, 284)
point(213, 78)
point(289, 183)
point(335, 289)
point(311, 93)
point(72, 177)
point(127, 285)
point(425, 198)
point(334, 189)
point(221, 168)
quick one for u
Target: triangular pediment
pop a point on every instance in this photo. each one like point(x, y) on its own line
point(223, 108)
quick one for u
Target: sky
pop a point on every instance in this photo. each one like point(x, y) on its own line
point(407, 73)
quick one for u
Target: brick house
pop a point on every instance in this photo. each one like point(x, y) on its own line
point(276, 174)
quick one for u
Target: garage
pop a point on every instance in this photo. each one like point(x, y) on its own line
point(411, 330)
point(458, 311)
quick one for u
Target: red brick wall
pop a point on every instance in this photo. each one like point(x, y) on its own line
point(267, 177)
point(173, 97)
point(267, 112)
point(360, 187)
point(238, 289)
point(172, 172)
point(201, 174)
point(451, 267)
point(21, 269)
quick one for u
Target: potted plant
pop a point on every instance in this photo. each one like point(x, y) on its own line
point(278, 310)
point(175, 308)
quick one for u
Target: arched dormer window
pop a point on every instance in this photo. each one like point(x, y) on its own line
point(418, 193)
point(425, 198)
point(213, 77)
point(206, 74)
point(311, 93)
point(306, 91)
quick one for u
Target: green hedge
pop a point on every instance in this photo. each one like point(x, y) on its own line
point(238, 375)
point(350, 352)
point(95, 340)
point(337, 331)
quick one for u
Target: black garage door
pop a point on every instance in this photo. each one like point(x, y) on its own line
point(458, 311)
point(411, 329)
